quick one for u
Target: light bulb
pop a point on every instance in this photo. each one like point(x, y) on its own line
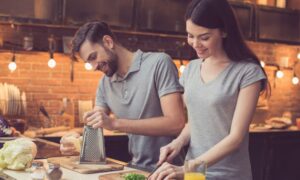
point(88, 66)
point(298, 55)
point(279, 74)
point(295, 80)
point(181, 68)
point(51, 63)
point(262, 63)
point(12, 66)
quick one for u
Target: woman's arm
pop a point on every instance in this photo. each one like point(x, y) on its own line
point(245, 108)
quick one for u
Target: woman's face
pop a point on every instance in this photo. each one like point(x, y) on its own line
point(206, 42)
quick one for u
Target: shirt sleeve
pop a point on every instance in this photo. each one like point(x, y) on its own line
point(252, 74)
point(166, 76)
point(100, 95)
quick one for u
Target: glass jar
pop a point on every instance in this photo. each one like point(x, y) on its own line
point(194, 172)
point(54, 171)
point(38, 171)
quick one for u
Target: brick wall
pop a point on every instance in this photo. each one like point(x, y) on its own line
point(285, 96)
point(48, 86)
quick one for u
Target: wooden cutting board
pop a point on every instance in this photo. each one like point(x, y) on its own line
point(72, 163)
point(119, 176)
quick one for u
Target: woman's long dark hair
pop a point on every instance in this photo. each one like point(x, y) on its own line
point(219, 14)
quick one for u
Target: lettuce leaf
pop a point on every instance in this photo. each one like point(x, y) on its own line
point(17, 154)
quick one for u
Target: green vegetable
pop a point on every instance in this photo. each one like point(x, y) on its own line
point(133, 176)
point(17, 154)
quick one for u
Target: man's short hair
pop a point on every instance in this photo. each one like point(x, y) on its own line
point(91, 31)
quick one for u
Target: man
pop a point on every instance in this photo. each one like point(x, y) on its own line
point(140, 89)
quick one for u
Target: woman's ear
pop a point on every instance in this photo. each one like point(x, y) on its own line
point(108, 41)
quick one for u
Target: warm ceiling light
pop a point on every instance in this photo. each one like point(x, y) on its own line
point(181, 68)
point(298, 55)
point(51, 63)
point(12, 66)
point(279, 74)
point(262, 63)
point(88, 66)
point(295, 80)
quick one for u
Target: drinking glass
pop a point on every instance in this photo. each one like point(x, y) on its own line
point(195, 173)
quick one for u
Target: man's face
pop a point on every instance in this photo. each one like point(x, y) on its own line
point(100, 57)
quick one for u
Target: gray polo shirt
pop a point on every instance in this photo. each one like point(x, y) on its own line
point(211, 106)
point(137, 96)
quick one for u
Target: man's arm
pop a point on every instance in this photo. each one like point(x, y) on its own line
point(171, 123)
point(100, 108)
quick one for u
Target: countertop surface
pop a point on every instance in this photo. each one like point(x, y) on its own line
point(79, 130)
point(67, 174)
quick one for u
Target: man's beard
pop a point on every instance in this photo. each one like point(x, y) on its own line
point(112, 63)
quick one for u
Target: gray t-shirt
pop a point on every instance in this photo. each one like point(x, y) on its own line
point(137, 96)
point(211, 107)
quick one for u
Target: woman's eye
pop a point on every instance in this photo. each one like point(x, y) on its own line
point(205, 38)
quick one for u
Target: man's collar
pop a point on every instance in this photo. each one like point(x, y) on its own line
point(135, 66)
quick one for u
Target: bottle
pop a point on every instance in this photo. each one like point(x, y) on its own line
point(281, 3)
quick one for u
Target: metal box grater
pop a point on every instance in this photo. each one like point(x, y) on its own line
point(93, 148)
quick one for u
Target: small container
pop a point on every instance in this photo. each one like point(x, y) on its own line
point(281, 3)
point(194, 172)
point(28, 43)
point(38, 171)
point(54, 171)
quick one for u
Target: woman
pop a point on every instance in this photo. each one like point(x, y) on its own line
point(221, 92)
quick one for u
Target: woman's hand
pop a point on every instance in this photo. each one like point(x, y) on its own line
point(168, 152)
point(168, 171)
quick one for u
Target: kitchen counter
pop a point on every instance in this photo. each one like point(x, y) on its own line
point(274, 153)
point(67, 174)
point(47, 149)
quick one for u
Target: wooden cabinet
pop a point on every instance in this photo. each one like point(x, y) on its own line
point(244, 13)
point(161, 15)
point(278, 25)
point(275, 155)
point(115, 12)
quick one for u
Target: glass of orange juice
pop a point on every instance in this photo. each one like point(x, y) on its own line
point(197, 172)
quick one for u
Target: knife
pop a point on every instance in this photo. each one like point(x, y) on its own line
point(154, 170)
point(44, 112)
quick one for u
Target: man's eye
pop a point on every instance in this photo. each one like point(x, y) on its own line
point(92, 58)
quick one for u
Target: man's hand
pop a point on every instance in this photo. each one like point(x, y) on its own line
point(70, 144)
point(97, 118)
